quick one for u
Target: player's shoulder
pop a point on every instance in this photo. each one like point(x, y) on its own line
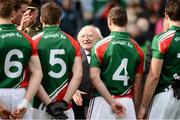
point(39, 35)
point(164, 35)
point(103, 41)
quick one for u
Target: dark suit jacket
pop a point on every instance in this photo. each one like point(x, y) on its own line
point(85, 85)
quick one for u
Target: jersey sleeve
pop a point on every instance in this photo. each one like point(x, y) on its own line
point(75, 45)
point(156, 53)
point(161, 44)
point(95, 62)
point(30, 41)
point(36, 40)
point(98, 51)
point(140, 68)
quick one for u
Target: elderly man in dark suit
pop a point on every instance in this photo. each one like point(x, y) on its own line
point(86, 37)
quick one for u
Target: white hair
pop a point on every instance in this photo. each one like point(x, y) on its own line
point(92, 26)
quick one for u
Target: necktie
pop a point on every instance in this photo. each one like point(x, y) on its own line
point(89, 57)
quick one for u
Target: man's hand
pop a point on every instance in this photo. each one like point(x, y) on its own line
point(25, 21)
point(56, 109)
point(118, 109)
point(4, 111)
point(77, 97)
point(19, 113)
point(20, 110)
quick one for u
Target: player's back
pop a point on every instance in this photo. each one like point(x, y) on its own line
point(166, 46)
point(15, 51)
point(121, 58)
point(56, 52)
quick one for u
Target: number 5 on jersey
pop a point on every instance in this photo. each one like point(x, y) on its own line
point(54, 60)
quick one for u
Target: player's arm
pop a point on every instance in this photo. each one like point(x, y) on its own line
point(33, 86)
point(4, 111)
point(137, 91)
point(116, 107)
point(43, 96)
point(35, 78)
point(76, 79)
point(150, 85)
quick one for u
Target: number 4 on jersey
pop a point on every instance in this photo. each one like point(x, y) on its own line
point(121, 68)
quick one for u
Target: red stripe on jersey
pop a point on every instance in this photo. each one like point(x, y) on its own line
point(165, 43)
point(75, 45)
point(61, 95)
point(100, 50)
point(29, 39)
point(25, 82)
point(140, 68)
point(36, 40)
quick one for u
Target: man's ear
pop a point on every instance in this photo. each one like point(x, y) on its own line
point(13, 15)
point(166, 17)
point(59, 22)
point(41, 20)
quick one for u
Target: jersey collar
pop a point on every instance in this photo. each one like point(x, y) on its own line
point(174, 28)
point(7, 26)
point(120, 34)
point(51, 27)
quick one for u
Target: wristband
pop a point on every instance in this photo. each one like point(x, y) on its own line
point(23, 104)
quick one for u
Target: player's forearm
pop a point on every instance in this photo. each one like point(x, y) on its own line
point(137, 92)
point(76, 79)
point(35, 78)
point(99, 85)
point(149, 89)
point(33, 85)
point(43, 96)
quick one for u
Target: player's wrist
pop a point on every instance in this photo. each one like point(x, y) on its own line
point(23, 104)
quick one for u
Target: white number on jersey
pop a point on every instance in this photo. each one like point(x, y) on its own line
point(125, 77)
point(53, 60)
point(9, 64)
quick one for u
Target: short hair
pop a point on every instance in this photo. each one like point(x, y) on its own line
point(6, 8)
point(18, 4)
point(172, 9)
point(118, 16)
point(51, 13)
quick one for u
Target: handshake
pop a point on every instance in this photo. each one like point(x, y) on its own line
point(56, 109)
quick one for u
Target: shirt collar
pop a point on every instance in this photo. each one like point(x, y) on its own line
point(7, 26)
point(174, 27)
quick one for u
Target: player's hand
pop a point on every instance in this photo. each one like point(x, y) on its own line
point(25, 21)
point(5, 113)
point(56, 109)
point(77, 97)
point(19, 113)
point(118, 109)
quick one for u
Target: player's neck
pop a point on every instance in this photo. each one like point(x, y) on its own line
point(175, 23)
point(5, 21)
point(118, 29)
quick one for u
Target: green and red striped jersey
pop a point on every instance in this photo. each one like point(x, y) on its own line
point(56, 51)
point(165, 46)
point(119, 58)
point(15, 51)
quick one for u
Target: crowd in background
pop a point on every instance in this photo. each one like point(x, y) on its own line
point(144, 16)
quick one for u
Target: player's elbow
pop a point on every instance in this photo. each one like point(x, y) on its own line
point(154, 77)
point(94, 76)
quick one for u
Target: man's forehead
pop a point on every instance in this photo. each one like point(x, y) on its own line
point(88, 30)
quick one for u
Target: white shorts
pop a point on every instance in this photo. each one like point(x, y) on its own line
point(42, 114)
point(165, 106)
point(99, 109)
point(12, 98)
